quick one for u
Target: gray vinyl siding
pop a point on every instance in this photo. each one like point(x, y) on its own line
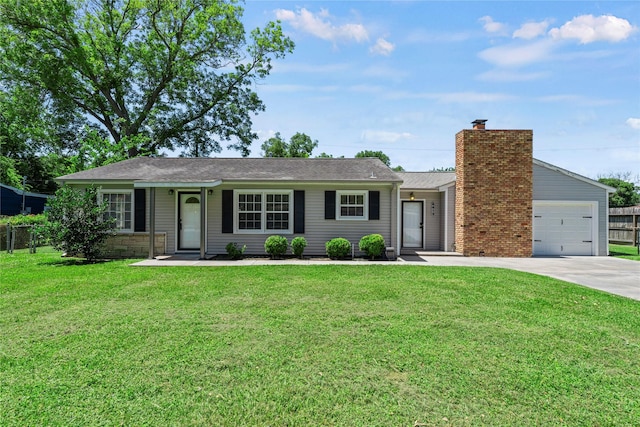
point(549, 184)
point(317, 230)
point(448, 204)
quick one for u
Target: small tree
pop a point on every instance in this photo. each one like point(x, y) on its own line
point(76, 223)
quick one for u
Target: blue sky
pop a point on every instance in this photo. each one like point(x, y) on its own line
point(405, 77)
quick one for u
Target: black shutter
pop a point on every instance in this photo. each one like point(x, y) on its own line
point(298, 211)
point(329, 205)
point(374, 205)
point(227, 211)
point(139, 209)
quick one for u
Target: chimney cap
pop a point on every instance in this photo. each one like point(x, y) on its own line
point(479, 121)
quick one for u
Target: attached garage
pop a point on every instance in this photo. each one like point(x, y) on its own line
point(570, 213)
point(565, 228)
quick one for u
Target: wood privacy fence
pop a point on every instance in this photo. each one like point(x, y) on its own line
point(623, 225)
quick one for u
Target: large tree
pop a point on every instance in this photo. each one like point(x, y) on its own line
point(299, 145)
point(34, 132)
point(153, 74)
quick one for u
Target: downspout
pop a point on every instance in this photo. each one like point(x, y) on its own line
point(446, 219)
point(203, 222)
point(398, 213)
point(152, 221)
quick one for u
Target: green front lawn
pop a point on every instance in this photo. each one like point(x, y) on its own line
point(623, 251)
point(369, 345)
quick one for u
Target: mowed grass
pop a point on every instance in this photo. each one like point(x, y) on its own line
point(369, 345)
point(624, 251)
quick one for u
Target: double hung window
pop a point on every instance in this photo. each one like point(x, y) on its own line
point(264, 211)
point(352, 204)
point(120, 207)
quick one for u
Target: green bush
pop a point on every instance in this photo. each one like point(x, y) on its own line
point(276, 246)
point(338, 248)
point(39, 219)
point(297, 246)
point(76, 223)
point(234, 250)
point(372, 244)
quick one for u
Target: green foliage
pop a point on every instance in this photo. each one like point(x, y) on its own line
point(152, 74)
point(276, 246)
point(300, 145)
point(39, 219)
point(76, 223)
point(338, 248)
point(234, 250)
point(379, 154)
point(372, 244)
point(9, 175)
point(627, 193)
point(297, 246)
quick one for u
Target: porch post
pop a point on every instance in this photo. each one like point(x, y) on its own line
point(152, 221)
point(203, 221)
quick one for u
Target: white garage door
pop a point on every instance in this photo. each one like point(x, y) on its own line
point(563, 228)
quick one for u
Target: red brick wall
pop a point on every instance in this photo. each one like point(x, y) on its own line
point(494, 192)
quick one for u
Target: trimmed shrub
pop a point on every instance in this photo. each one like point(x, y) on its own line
point(372, 244)
point(276, 246)
point(297, 246)
point(338, 248)
point(234, 250)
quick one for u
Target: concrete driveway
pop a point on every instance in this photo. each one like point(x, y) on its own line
point(609, 274)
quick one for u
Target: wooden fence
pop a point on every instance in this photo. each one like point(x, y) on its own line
point(623, 225)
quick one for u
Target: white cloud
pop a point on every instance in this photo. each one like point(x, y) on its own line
point(320, 25)
point(492, 26)
point(531, 30)
point(382, 47)
point(385, 137)
point(515, 55)
point(634, 122)
point(588, 29)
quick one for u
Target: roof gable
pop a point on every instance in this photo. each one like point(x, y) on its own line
point(573, 175)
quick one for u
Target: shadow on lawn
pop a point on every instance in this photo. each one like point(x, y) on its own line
point(66, 262)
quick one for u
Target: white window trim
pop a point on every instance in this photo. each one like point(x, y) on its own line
point(263, 230)
point(104, 191)
point(365, 210)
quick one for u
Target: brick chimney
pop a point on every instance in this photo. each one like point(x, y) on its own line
point(494, 192)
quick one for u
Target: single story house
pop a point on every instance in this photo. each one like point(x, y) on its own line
point(498, 202)
point(14, 201)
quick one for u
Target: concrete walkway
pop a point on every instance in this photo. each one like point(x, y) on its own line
point(613, 275)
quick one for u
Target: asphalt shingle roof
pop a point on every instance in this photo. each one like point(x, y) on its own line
point(426, 180)
point(164, 169)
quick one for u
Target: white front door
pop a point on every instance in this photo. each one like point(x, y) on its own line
point(189, 221)
point(412, 221)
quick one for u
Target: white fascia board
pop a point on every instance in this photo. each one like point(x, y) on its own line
point(174, 184)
